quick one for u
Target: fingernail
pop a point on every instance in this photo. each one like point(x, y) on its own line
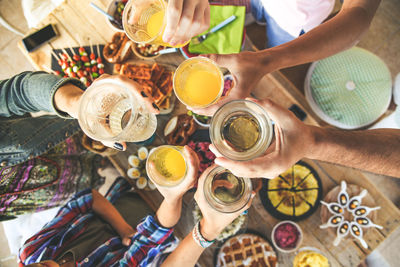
point(143, 94)
point(155, 106)
point(118, 146)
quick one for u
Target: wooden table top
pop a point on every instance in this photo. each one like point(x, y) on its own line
point(76, 20)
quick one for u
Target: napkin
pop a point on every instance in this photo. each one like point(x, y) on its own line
point(227, 40)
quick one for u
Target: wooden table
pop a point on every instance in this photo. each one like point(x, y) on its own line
point(76, 19)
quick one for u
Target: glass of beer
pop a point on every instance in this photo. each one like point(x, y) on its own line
point(166, 165)
point(198, 82)
point(109, 111)
point(226, 192)
point(144, 21)
point(241, 130)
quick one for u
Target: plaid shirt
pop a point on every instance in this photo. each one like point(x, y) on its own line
point(71, 221)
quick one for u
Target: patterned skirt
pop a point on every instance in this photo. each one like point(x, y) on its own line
point(49, 180)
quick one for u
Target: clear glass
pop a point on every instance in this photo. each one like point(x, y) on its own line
point(226, 192)
point(110, 112)
point(166, 165)
point(147, 21)
point(241, 130)
point(198, 82)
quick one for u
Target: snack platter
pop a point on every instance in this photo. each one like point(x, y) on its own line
point(71, 51)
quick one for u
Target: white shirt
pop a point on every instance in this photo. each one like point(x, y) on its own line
point(296, 15)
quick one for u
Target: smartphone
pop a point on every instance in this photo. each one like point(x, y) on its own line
point(36, 39)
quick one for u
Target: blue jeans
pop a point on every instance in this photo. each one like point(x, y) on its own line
point(275, 34)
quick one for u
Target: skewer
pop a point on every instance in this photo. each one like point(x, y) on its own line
point(47, 69)
point(65, 51)
point(75, 56)
point(55, 55)
point(79, 40)
point(98, 52)
point(91, 47)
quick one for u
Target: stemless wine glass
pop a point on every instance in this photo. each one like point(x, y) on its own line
point(226, 192)
point(241, 130)
point(166, 165)
point(109, 111)
point(144, 21)
point(198, 82)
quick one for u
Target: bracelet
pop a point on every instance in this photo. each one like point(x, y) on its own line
point(199, 239)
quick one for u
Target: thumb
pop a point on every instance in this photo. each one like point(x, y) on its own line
point(277, 113)
point(221, 60)
point(126, 241)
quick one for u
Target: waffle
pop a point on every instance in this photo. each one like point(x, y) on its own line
point(246, 250)
point(155, 80)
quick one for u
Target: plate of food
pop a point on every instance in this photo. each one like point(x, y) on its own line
point(294, 195)
point(246, 249)
point(137, 170)
point(84, 63)
point(155, 79)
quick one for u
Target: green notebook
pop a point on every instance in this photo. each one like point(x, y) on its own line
point(227, 40)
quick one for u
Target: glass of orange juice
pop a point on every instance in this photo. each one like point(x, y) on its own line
point(144, 21)
point(198, 82)
point(166, 165)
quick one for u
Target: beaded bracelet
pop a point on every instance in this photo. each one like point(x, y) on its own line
point(199, 239)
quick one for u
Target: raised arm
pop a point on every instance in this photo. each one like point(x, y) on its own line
point(169, 212)
point(34, 91)
point(337, 34)
point(376, 151)
point(213, 222)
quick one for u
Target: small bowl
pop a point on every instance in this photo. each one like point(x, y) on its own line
point(299, 240)
point(311, 249)
point(111, 8)
point(205, 125)
point(134, 50)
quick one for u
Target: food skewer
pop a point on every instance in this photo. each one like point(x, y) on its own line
point(55, 72)
point(93, 62)
point(99, 60)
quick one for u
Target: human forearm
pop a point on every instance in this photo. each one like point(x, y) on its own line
point(335, 35)
point(66, 99)
point(103, 208)
point(376, 151)
point(31, 92)
point(169, 212)
point(186, 254)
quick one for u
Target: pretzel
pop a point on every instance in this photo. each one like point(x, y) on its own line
point(186, 126)
point(119, 49)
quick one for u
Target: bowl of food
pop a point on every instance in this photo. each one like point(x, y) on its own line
point(116, 9)
point(287, 236)
point(309, 256)
point(201, 120)
point(147, 51)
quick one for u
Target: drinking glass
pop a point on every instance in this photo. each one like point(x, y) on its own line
point(198, 82)
point(144, 21)
point(166, 165)
point(109, 111)
point(241, 130)
point(226, 192)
